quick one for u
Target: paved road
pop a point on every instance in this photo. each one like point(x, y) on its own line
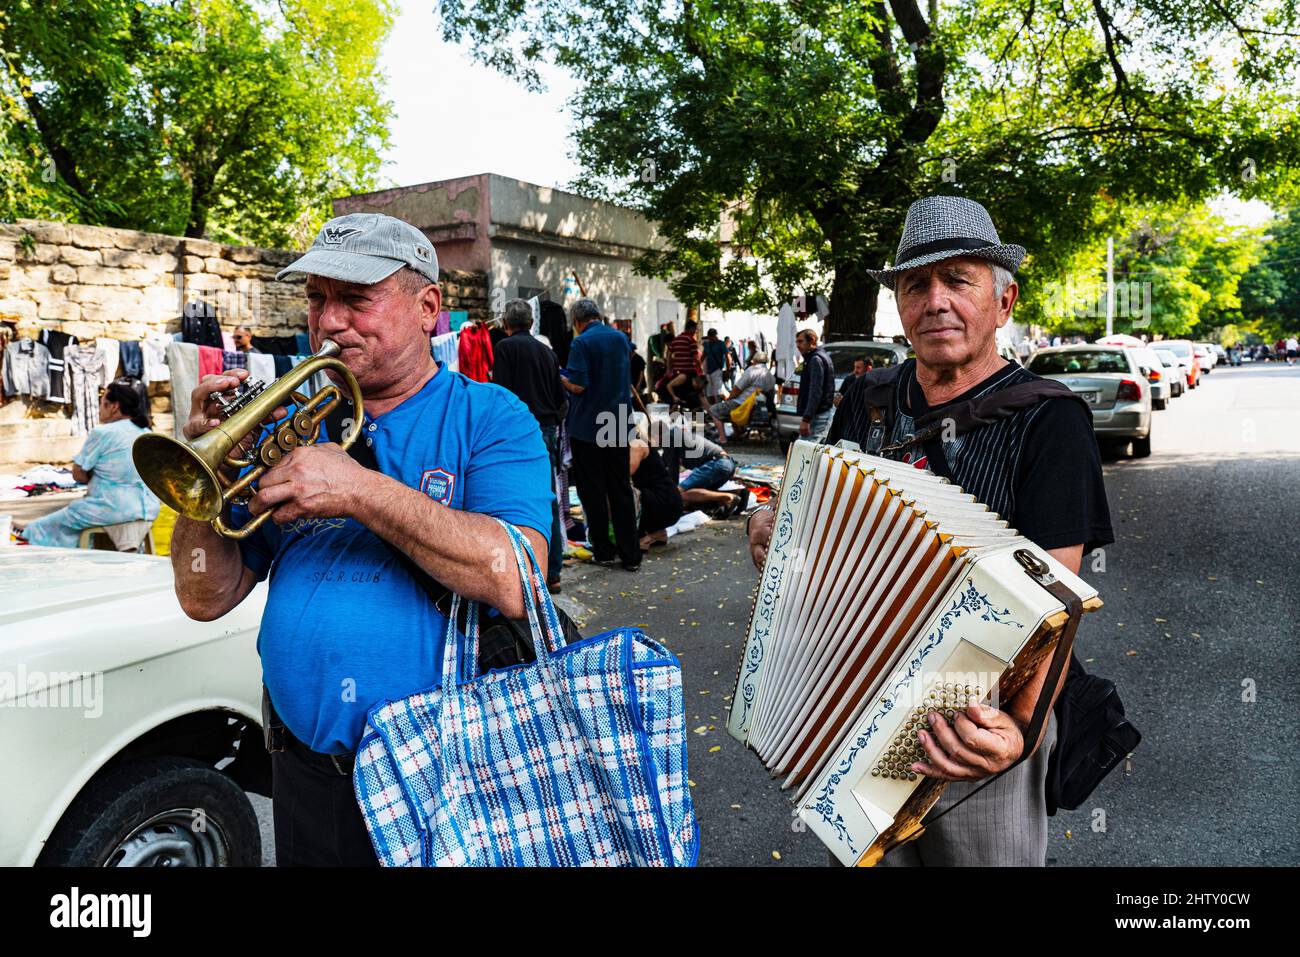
point(1201, 596)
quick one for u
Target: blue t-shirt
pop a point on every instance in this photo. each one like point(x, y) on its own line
point(715, 354)
point(600, 360)
point(345, 625)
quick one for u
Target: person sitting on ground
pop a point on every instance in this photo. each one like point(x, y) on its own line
point(757, 377)
point(710, 469)
point(661, 499)
point(117, 494)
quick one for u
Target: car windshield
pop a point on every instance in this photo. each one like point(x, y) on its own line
point(1167, 357)
point(843, 353)
point(1179, 348)
point(1056, 363)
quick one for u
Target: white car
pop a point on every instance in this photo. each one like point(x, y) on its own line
point(1160, 377)
point(1173, 371)
point(128, 732)
point(1205, 357)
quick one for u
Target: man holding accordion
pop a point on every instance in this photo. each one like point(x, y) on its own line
point(1037, 466)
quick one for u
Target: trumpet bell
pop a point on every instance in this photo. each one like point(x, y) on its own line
point(176, 472)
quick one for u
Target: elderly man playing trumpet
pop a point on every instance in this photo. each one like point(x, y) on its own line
point(350, 549)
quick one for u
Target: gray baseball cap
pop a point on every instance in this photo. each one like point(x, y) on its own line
point(366, 248)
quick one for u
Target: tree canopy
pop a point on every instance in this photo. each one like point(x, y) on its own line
point(1270, 289)
point(234, 119)
point(786, 139)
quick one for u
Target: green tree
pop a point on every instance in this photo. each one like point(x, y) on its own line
point(814, 123)
point(1270, 290)
point(234, 119)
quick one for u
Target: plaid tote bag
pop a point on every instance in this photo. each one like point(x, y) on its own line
point(578, 758)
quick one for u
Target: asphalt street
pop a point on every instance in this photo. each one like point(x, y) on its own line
point(1199, 632)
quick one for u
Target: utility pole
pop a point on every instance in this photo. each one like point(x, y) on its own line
point(1110, 286)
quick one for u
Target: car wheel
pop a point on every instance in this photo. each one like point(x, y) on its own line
point(1142, 447)
point(158, 812)
point(1159, 404)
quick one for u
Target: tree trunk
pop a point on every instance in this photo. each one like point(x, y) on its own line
point(853, 301)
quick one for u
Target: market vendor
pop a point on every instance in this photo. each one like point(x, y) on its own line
point(116, 493)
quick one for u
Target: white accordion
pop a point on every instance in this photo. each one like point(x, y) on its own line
point(887, 592)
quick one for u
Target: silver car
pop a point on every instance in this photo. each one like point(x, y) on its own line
point(1110, 381)
point(1173, 371)
point(879, 353)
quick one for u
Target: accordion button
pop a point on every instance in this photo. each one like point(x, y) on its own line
point(875, 772)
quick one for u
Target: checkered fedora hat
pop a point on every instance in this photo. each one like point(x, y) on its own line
point(944, 227)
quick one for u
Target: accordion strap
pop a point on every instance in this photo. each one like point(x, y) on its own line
point(1042, 574)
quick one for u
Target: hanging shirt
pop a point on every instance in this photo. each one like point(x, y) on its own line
point(467, 445)
point(132, 360)
point(57, 342)
point(475, 352)
point(27, 369)
point(154, 352)
point(211, 361)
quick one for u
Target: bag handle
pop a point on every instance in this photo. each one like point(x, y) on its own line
point(462, 662)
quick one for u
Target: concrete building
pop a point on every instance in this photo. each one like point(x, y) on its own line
point(535, 241)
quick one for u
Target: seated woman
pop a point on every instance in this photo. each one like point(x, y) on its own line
point(116, 492)
point(661, 501)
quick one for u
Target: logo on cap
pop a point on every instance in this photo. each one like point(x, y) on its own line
point(336, 234)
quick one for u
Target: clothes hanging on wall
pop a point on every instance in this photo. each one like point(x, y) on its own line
point(445, 350)
point(27, 369)
point(110, 353)
point(283, 364)
point(211, 361)
point(57, 342)
point(443, 325)
point(183, 363)
point(233, 359)
point(154, 350)
point(261, 367)
point(199, 326)
point(277, 345)
point(85, 365)
point(132, 357)
point(302, 343)
point(475, 352)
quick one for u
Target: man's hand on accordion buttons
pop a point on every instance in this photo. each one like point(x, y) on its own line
point(312, 481)
point(980, 741)
point(760, 533)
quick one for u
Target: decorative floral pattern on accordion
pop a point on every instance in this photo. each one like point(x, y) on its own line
point(970, 601)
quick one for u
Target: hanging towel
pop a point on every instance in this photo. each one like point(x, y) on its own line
point(228, 342)
point(443, 325)
point(57, 342)
point(233, 359)
point(282, 364)
point(183, 362)
point(132, 357)
point(475, 352)
point(210, 361)
point(261, 367)
point(303, 343)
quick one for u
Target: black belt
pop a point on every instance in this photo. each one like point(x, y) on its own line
point(340, 764)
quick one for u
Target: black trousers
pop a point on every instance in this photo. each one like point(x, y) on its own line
point(605, 490)
point(317, 821)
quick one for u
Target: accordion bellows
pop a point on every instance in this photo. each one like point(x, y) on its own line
point(887, 592)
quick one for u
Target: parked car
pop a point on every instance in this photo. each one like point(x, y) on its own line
point(130, 733)
point(1205, 356)
point(880, 353)
point(1110, 381)
point(1220, 352)
point(1173, 371)
point(1160, 378)
point(1186, 358)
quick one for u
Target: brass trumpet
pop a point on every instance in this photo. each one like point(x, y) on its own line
point(187, 475)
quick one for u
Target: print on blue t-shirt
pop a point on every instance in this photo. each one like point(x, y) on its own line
point(345, 625)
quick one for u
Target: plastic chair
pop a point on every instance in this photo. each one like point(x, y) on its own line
point(122, 537)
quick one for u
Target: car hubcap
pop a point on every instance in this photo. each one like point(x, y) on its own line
point(173, 839)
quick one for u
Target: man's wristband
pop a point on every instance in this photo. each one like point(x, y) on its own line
point(765, 507)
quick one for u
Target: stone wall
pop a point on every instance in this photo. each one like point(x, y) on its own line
point(91, 281)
